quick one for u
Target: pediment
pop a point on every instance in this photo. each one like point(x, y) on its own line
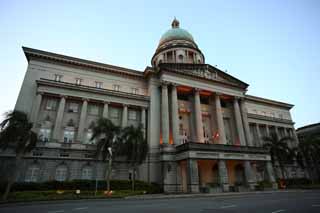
point(204, 71)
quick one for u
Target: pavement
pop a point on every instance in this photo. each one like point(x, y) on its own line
point(265, 202)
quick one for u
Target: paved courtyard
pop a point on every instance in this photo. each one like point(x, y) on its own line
point(303, 201)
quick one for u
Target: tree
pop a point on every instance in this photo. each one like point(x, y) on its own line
point(16, 133)
point(134, 147)
point(279, 150)
point(308, 153)
point(105, 133)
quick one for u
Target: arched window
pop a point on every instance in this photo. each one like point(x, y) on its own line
point(61, 173)
point(32, 174)
point(86, 173)
point(180, 58)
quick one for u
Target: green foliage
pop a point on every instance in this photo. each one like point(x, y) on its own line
point(105, 133)
point(82, 185)
point(133, 145)
point(261, 185)
point(15, 132)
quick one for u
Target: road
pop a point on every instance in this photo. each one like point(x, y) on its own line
point(304, 201)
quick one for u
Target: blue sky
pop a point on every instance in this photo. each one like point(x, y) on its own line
point(272, 45)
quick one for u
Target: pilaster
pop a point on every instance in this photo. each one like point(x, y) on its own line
point(58, 122)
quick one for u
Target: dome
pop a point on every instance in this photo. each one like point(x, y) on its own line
point(175, 33)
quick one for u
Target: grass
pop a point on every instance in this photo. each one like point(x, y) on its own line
point(22, 196)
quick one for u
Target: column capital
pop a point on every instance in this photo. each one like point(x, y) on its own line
point(164, 83)
point(125, 105)
point(218, 94)
point(174, 84)
point(237, 98)
point(197, 89)
point(85, 99)
point(143, 107)
point(63, 96)
point(106, 102)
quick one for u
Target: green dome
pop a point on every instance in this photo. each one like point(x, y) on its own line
point(176, 34)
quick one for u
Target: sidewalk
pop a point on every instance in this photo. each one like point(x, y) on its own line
point(196, 195)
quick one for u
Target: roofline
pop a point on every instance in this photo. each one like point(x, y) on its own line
point(268, 101)
point(308, 126)
point(78, 61)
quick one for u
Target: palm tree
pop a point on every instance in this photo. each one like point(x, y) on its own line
point(307, 154)
point(279, 150)
point(105, 133)
point(16, 133)
point(134, 147)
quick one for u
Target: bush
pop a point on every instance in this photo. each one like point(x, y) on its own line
point(261, 185)
point(83, 185)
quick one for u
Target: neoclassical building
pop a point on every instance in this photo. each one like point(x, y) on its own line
point(203, 130)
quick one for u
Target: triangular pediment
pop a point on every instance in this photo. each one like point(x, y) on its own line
point(204, 71)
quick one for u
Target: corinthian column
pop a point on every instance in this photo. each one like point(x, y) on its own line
point(164, 114)
point(36, 109)
point(239, 122)
point(57, 126)
point(198, 116)
point(83, 117)
point(222, 134)
point(143, 121)
point(245, 122)
point(175, 114)
point(105, 113)
point(124, 116)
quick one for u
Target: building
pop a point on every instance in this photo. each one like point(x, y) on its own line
point(312, 130)
point(203, 130)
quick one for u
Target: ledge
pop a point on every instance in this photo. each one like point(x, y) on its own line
point(266, 118)
point(220, 147)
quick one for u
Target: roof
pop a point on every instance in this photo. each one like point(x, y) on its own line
point(30, 52)
point(269, 101)
point(309, 126)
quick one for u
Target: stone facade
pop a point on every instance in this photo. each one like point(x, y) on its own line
point(203, 130)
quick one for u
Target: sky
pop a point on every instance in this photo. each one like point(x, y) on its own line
point(272, 45)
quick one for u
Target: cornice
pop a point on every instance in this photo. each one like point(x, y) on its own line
point(268, 101)
point(47, 82)
point(34, 53)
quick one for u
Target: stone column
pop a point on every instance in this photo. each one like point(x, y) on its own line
point(83, 118)
point(143, 121)
point(164, 114)
point(175, 114)
point(238, 122)
point(277, 131)
point(124, 116)
point(270, 174)
point(58, 123)
point(295, 137)
point(36, 109)
point(267, 130)
point(220, 124)
point(249, 174)
point(192, 176)
point(223, 175)
point(105, 113)
point(198, 116)
point(260, 141)
point(245, 122)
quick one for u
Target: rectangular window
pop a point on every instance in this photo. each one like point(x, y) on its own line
point(94, 109)
point(78, 81)
point(51, 104)
point(98, 84)
point(116, 87)
point(114, 113)
point(57, 77)
point(68, 136)
point(44, 134)
point(73, 107)
point(135, 91)
point(132, 115)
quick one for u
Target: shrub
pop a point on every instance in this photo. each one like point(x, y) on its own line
point(83, 185)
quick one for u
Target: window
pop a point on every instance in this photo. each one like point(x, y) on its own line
point(57, 77)
point(32, 174)
point(94, 109)
point(73, 107)
point(61, 173)
point(98, 84)
point(114, 113)
point(86, 173)
point(51, 104)
point(64, 155)
point(116, 87)
point(68, 135)
point(78, 81)
point(135, 91)
point(223, 103)
point(132, 115)
point(44, 134)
